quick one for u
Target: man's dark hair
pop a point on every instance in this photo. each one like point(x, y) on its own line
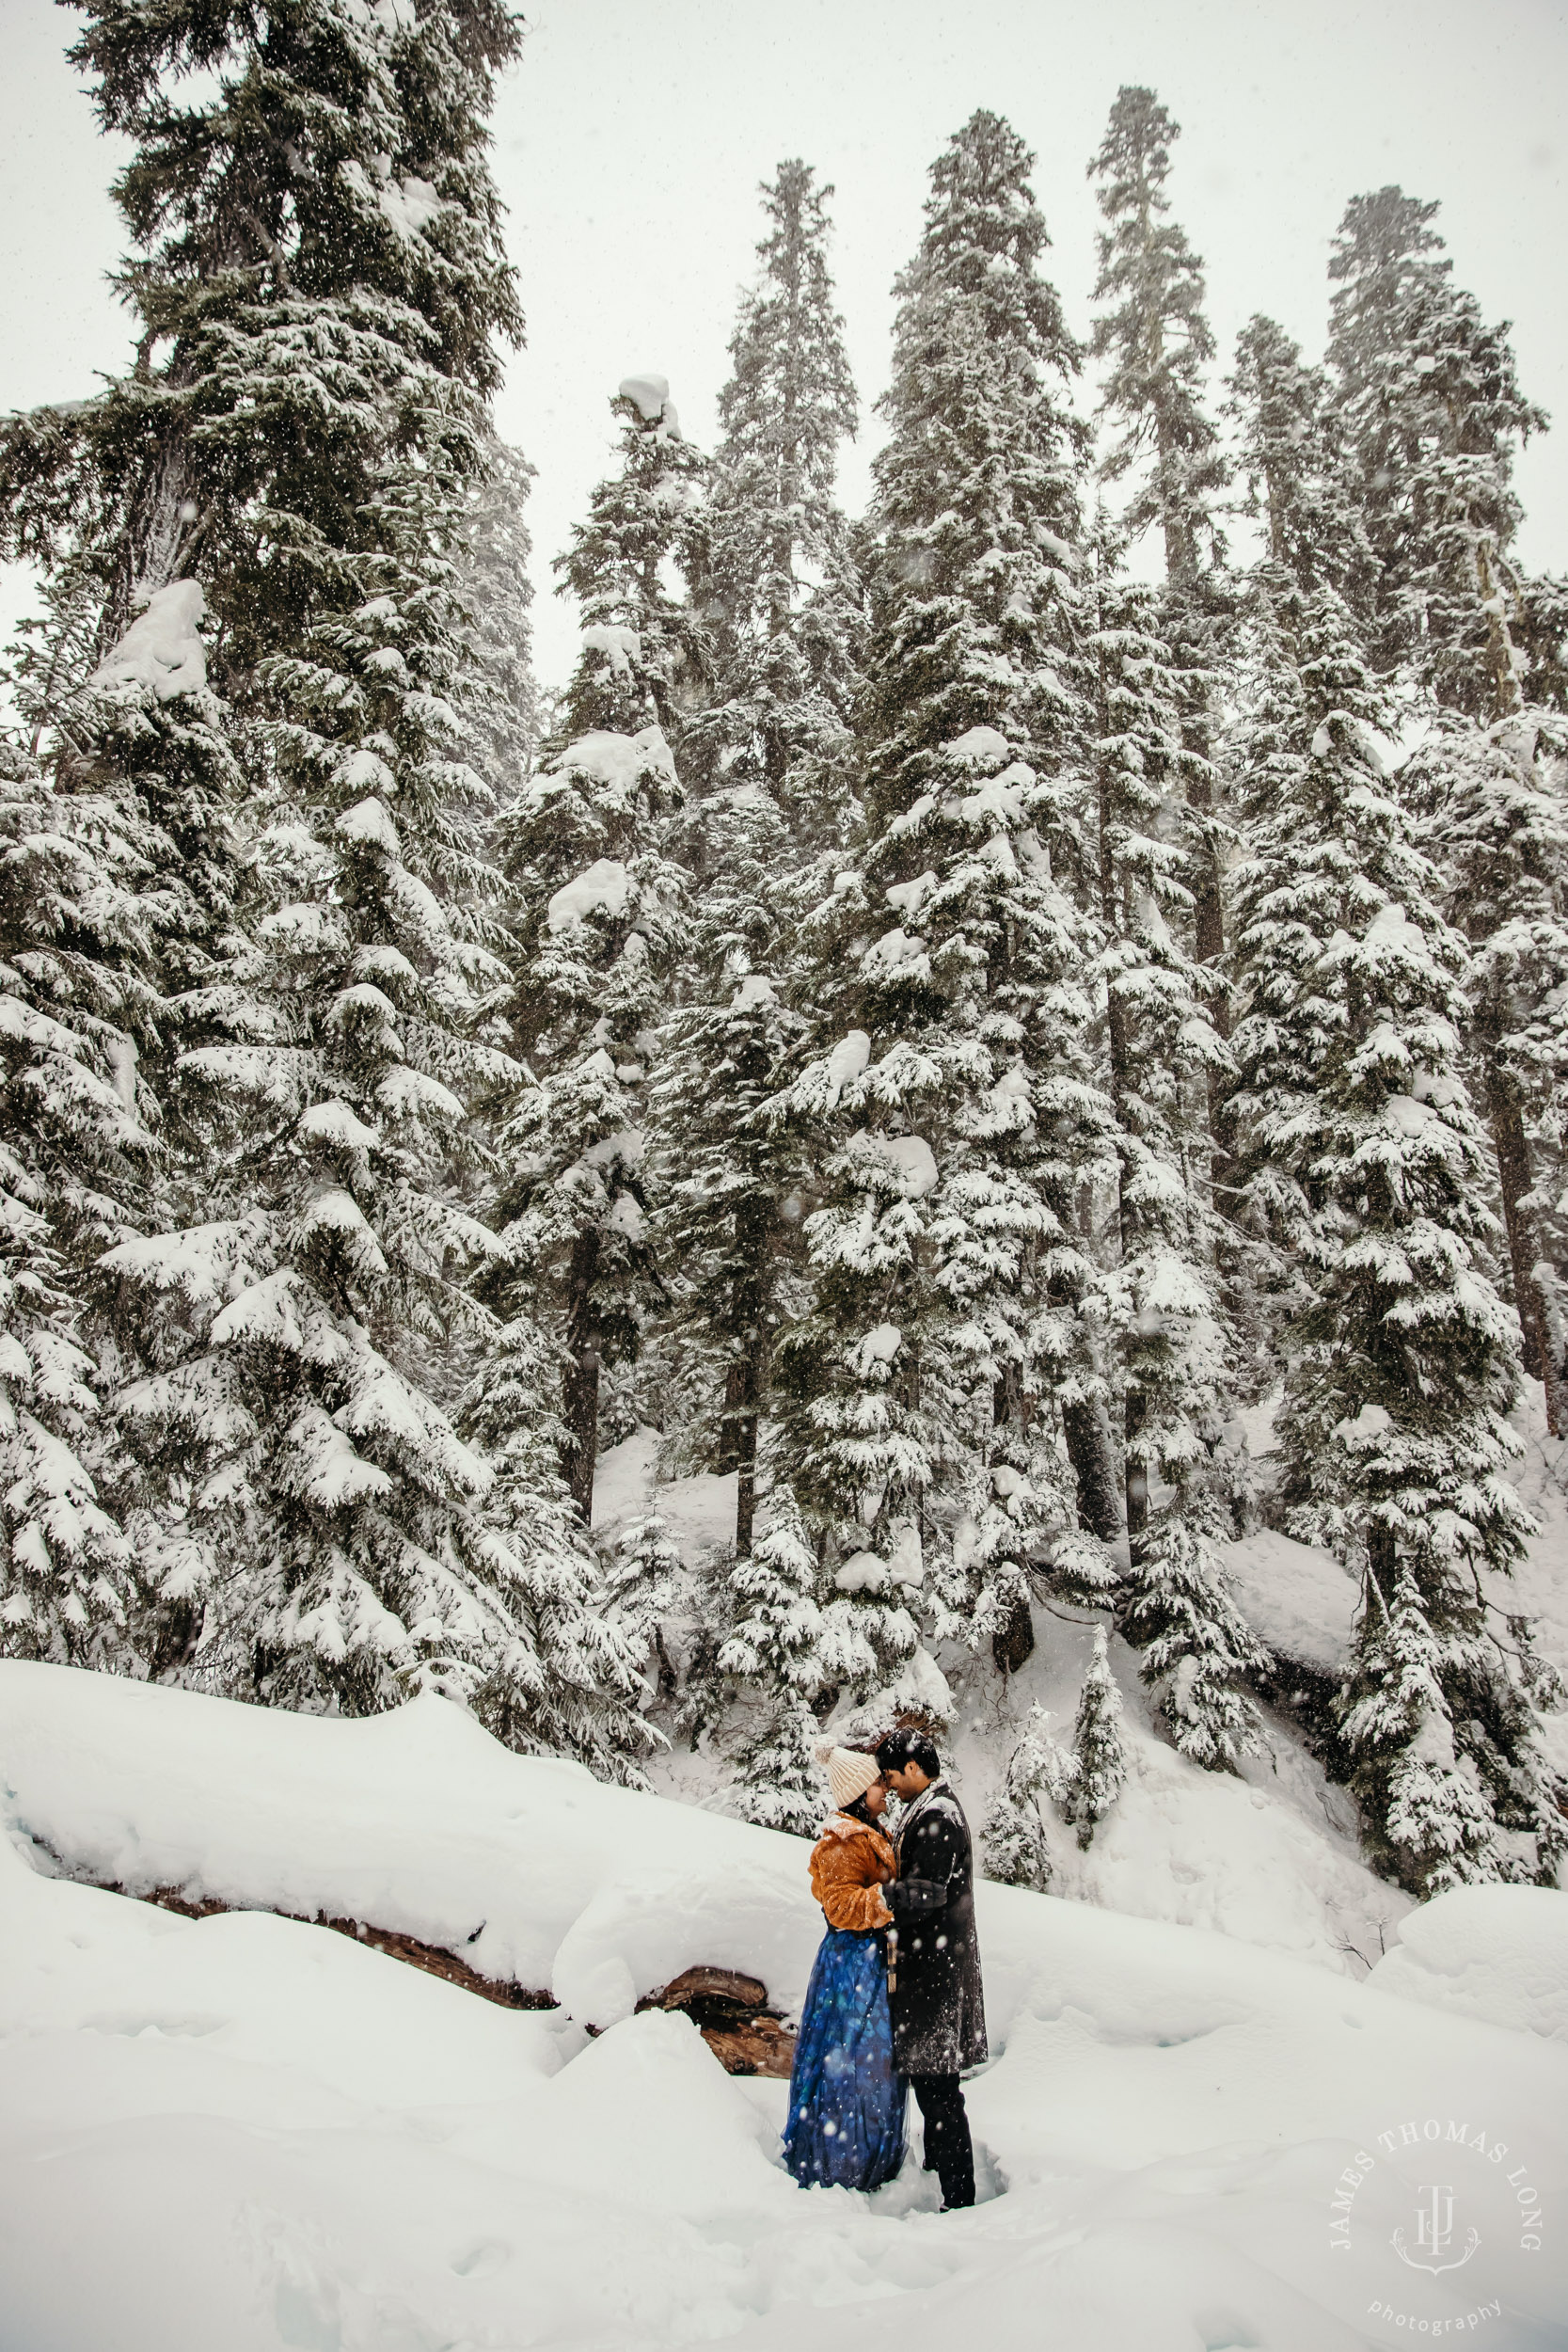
point(909, 1747)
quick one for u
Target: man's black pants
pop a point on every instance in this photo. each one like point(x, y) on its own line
point(949, 2150)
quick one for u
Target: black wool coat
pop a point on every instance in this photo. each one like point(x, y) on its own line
point(939, 2010)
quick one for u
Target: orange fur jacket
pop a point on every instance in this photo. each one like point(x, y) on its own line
point(846, 1874)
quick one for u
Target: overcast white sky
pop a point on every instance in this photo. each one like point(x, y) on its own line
point(631, 139)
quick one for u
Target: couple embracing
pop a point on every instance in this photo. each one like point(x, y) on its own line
point(895, 2002)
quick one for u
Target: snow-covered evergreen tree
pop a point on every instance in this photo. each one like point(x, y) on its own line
point(726, 1225)
point(977, 521)
point(1433, 411)
point(773, 1652)
point(151, 731)
point(953, 1102)
point(1431, 405)
point(768, 760)
point(1014, 1848)
point(1296, 467)
point(1401, 1367)
point(598, 920)
point(639, 1588)
point(77, 1162)
point(322, 282)
point(1168, 1329)
point(1499, 828)
point(314, 220)
point(498, 692)
point(300, 1332)
point(567, 1675)
point(644, 644)
point(1096, 1747)
point(1299, 492)
point(1154, 333)
point(779, 578)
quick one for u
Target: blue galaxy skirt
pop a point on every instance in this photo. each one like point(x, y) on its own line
point(845, 2097)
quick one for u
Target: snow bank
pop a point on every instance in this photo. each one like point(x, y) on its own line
point(698, 1511)
point(1297, 1600)
point(418, 1821)
point(162, 648)
point(265, 2135)
point(1496, 1952)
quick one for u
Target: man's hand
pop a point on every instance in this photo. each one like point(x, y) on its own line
point(912, 1898)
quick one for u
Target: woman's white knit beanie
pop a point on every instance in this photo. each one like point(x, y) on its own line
point(850, 1774)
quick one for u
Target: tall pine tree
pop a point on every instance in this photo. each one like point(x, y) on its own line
point(1400, 1365)
point(1431, 407)
point(769, 756)
point(1153, 332)
point(1166, 1315)
point(78, 1160)
point(321, 283)
point(953, 1098)
point(780, 579)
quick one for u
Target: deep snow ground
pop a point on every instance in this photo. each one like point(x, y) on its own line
point(243, 2132)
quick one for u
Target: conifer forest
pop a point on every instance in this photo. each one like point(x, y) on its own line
point(952, 1025)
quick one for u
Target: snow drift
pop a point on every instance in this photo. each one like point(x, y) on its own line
point(245, 2131)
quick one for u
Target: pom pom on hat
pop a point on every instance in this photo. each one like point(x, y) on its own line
point(849, 1773)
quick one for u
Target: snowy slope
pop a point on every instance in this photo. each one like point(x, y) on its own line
point(1275, 1858)
point(1272, 1858)
point(249, 2133)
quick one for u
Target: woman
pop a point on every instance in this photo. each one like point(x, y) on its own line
point(846, 2121)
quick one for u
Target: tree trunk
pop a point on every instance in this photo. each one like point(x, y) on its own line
point(1513, 1179)
point(582, 1398)
point(1088, 1449)
point(1209, 942)
point(1382, 1566)
point(177, 1629)
point(1207, 907)
point(1013, 1644)
point(159, 528)
point(1137, 1474)
point(729, 1422)
point(1136, 1490)
point(1499, 638)
point(751, 1336)
point(746, 1460)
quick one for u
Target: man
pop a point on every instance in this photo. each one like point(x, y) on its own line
point(938, 2014)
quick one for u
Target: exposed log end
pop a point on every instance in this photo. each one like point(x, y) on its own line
point(729, 2011)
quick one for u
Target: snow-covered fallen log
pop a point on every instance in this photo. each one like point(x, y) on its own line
point(417, 1822)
